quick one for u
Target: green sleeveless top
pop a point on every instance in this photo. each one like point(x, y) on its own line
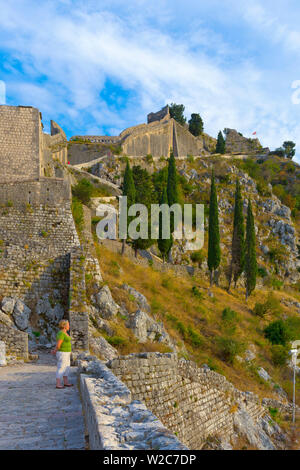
point(66, 344)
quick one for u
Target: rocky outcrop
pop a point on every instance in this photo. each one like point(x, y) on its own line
point(138, 297)
point(258, 434)
point(147, 329)
point(100, 347)
point(237, 143)
point(105, 304)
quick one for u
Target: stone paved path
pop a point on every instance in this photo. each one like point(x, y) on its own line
point(35, 415)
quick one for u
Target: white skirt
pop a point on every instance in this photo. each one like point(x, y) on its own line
point(63, 364)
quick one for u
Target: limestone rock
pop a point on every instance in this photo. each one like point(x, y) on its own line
point(106, 305)
point(6, 320)
point(250, 354)
point(147, 329)
point(264, 374)
point(253, 432)
point(53, 313)
point(8, 304)
point(140, 298)
point(102, 348)
point(284, 231)
point(21, 315)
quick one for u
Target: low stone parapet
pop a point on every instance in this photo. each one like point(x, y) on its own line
point(116, 422)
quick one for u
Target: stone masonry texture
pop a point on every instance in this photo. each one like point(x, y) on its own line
point(195, 403)
point(19, 143)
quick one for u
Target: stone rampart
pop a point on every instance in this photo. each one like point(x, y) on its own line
point(115, 421)
point(193, 402)
point(16, 341)
point(20, 143)
point(78, 311)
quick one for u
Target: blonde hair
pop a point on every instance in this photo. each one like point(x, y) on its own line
point(62, 324)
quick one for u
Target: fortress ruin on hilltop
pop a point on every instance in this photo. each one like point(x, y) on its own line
point(161, 134)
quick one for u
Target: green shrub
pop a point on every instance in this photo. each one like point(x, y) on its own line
point(198, 257)
point(279, 355)
point(115, 340)
point(194, 338)
point(149, 158)
point(190, 158)
point(83, 191)
point(260, 309)
point(262, 188)
point(230, 348)
point(277, 332)
point(273, 412)
point(197, 293)
point(229, 316)
point(262, 272)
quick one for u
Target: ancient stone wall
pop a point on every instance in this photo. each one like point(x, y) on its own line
point(37, 232)
point(78, 311)
point(195, 403)
point(237, 143)
point(147, 259)
point(20, 135)
point(16, 341)
point(115, 422)
point(155, 139)
point(184, 143)
point(164, 113)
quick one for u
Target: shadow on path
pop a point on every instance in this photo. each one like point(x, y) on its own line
point(34, 414)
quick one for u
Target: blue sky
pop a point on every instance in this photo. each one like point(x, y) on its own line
point(98, 66)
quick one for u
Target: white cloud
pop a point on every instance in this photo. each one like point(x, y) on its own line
point(75, 47)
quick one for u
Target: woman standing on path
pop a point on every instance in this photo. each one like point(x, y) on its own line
point(63, 355)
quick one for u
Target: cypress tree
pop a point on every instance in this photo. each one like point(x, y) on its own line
point(238, 239)
point(220, 147)
point(164, 244)
point(250, 253)
point(214, 250)
point(196, 125)
point(172, 186)
point(130, 192)
point(144, 195)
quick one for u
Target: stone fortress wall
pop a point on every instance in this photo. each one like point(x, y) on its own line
point(157, 138)
point(37, 230)
point(20, 141)
point(193, 402)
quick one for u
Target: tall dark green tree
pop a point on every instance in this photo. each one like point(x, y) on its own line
point(196, 124)
point(250, 253)
point(144, 195)
point(130, 192)
point(172, 186)
point(214, 250)
point(176, 112)
point(221, 145)
point(164, 244)
point(238, 239)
